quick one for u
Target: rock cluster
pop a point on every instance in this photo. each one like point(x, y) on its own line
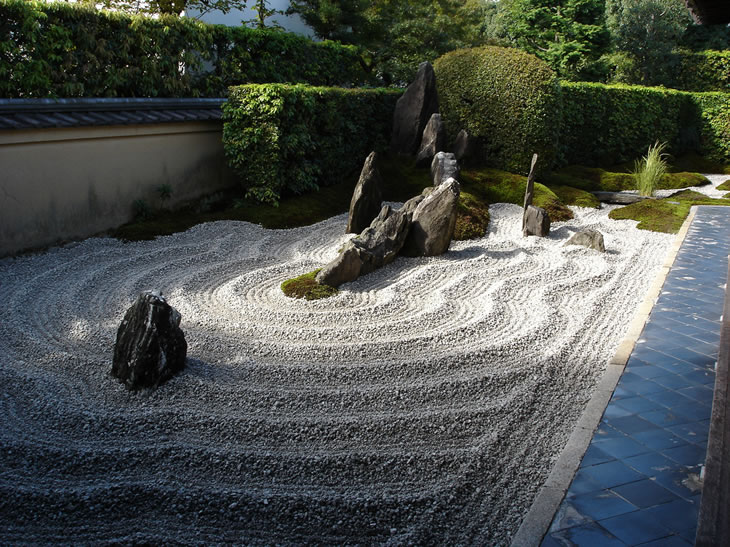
point(150, 346)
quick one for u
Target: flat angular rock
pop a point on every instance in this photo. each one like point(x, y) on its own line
point(537, 222)
point(433, 221)
point(444, 167)
point(593, 239)
point(376, 246)
point(150, 346)
point(413, 110)
point(432, 142)
point(621, 198)
point(367, 198)
point(463, 146)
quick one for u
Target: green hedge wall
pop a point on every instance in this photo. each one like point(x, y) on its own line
point(506, 98)
point(289, 139)
point(704, 71)
point(70, 50)
point(605, 124)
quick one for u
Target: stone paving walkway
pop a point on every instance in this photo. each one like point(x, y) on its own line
point(639, 480)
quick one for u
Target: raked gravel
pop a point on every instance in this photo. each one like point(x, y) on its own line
point(424, 404)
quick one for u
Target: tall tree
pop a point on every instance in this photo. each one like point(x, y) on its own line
point(570, 35)
point(647, 31)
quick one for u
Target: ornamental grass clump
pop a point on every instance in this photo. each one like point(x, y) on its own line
point(649, 170)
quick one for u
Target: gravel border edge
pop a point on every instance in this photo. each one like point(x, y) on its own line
point(538, 519)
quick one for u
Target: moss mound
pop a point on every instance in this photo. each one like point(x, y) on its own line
point(724, 186)
point(495, 186)
point(306, 286)
point(575, 196)
point(472, 217)
point(664, 215)
point(594, 179)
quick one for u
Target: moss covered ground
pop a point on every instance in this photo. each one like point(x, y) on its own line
point(594, 179)
point(306, 286)
point(664, 215)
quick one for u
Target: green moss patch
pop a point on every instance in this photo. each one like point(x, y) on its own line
point(664, 215)
point(724, 186)
point(472, 217)
point(306, 286)
point(575, 196)
point(594, 179)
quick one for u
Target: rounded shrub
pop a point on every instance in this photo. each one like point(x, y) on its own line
point(508, 99)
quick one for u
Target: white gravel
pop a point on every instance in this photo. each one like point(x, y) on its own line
point(424, 404)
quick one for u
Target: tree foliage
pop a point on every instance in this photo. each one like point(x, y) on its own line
point(570, 35)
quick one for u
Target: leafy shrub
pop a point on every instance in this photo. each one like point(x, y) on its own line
point(609, 124)
point(73, 50)
point(506, 98)
point(649, 170)
point(704, 71)
point(289, 139)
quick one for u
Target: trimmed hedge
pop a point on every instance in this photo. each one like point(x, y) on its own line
point(608, 124)
point(71, 50)
point(704, 71)
point(289, 139)
point(506, 98)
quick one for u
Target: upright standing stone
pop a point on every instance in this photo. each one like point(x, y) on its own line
point(444, 167)
point(463, 146)
point(433, 141)
point(150, 346)
point(536, 222)
point(433, 221)
point(367, 198)
point(413, 110)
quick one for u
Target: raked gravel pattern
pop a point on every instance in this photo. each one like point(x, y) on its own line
point(424, 404)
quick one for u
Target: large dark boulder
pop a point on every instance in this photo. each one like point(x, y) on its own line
point(413, 110)
point(150, 346)
point(433, 221)
point(588, 237)
point(444, 167)
point(375, 247)
point(536, 222)
point(432, 142)
point(367, 197)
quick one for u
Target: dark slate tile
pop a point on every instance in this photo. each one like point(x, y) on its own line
point(689, 356)
point(695, 410)
point(582, 484)
point(653, 357)
point(688, 454)
point(621, 393)
point(568, 516)
point(588, 534)
point(602, 504)
point(612, 474)
point(671, 380)
point(634, 528)
point(703, 394)
point(694, 432)
point(678, 515)
point(614, 411)
point(594, 455)
point(639, 385)
point(646, 371)
point(700, 377)
point(621, 447)
point(658, 439)
point(665, 418)
point(670, 541)
point(668, 398)
point(630, 424)
point(676, 367)
point(549, 541)
point(637, 404)
point(652, 463)
point(645, 493)
point(682, 481)
point(605, 431)
point(707, 336)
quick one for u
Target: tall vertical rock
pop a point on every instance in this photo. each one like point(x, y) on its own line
point(432, 142)
point(413, 110)
point(432, 226)
point(367, 198)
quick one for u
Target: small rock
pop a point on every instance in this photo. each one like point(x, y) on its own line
point(537, 222)
point(150, 346)
point(463, 145)
point(413, 110)
point(593, 239)
point(433, 141)
point(443, 167)
point(367, 197)
point(433, 221)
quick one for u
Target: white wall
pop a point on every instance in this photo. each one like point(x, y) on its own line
point(291, 23)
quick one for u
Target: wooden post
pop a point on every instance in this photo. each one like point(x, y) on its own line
point(529, 191)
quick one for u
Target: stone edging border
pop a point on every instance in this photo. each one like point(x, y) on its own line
point(538, 519)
